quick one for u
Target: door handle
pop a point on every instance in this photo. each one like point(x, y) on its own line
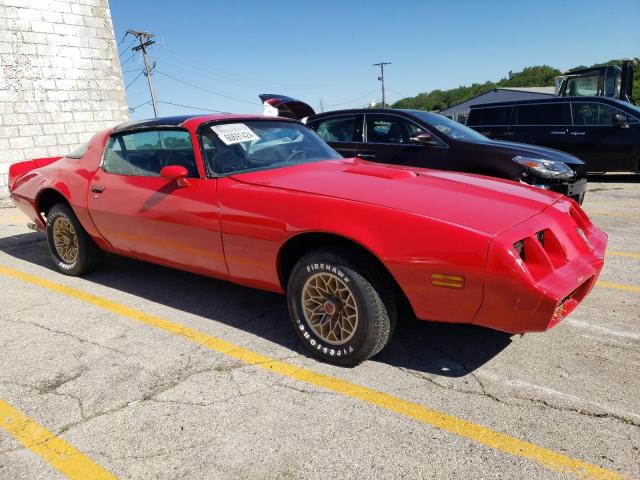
point(578, 133)
point(366, 156)
point(97, 188)
point(558, 132)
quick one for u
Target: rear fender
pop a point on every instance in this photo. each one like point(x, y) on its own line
point(20, 169)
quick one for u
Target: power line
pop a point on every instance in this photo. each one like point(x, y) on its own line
point(123, 38)
point(137, 77)
point(128, 59)
point(353, 99)
point(401, 95)
point(126, 49)
point(225, 76)
point(181, 60)
point(206, 89)
point(138, 106)
point(189, 106)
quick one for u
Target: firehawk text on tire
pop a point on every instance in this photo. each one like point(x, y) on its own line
point(339, 314)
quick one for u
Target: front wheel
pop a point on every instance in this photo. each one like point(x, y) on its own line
point(73, 251)
point(341, 308)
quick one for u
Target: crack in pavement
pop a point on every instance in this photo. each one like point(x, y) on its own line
point(59, 380)
point(541, 403)
point(67, 334)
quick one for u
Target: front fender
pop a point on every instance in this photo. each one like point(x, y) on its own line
point(257, 221)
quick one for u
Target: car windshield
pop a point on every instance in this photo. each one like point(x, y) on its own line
point(448, 127)
point(235, 147)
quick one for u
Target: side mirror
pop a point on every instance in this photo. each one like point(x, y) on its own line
point(423, 138)
point(177, 173)
point(620, 120)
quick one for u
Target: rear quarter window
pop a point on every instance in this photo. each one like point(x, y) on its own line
point(78, 152)
point(336, 129)
point(145, 153)
point(489, 116)
point(543, 114)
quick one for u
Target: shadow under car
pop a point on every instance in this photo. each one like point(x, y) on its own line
point(450, 350)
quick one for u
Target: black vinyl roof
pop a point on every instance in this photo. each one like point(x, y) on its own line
point(174, 121)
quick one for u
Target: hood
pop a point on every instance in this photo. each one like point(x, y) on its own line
point(282, 106)
point(535, 151)
point(482, 203)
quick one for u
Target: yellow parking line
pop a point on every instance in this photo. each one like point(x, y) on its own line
point(618, 253)
point(56, 452)
point(14, 219)
point(618, 286)
point(613, 214)
point(449, 423)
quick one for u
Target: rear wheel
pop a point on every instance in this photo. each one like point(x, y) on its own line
point(73, 251)
point(341, 308)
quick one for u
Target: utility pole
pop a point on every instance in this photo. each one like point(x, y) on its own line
point(381, 78)
point(145, 41)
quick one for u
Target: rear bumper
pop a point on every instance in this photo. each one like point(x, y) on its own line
point(535, 292)
point(26, 207)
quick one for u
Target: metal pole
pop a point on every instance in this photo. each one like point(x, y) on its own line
point(381, 78)
point(145, 40)
point(382, 75)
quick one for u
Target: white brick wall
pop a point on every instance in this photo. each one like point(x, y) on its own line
point(60, 78)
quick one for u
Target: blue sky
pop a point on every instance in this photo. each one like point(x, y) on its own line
point(325, 49)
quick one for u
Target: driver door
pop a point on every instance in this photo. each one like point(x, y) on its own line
point(594, 138)
point(144, 215)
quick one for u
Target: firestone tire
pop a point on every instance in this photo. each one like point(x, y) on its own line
point(72, 249)
point(355, 295)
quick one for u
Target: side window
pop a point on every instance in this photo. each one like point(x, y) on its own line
point(337, 129)
point(543, 114)
point(389, 129)
point(489, 116)
point(146, 153)
point(595, 114)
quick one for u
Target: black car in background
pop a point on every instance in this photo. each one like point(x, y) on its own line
point(603, 132)
point(428, 140)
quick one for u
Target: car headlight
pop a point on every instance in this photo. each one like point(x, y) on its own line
point(545, 168)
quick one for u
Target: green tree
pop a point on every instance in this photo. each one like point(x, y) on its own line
point(536, 76)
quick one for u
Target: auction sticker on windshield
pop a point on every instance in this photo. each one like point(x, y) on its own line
point(231, 133)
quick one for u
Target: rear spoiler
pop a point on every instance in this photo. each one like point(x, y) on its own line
point(21, 168)
point(282, 106)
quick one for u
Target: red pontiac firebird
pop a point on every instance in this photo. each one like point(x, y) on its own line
point(264, 202)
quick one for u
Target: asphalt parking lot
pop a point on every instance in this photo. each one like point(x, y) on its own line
point(141, 372)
